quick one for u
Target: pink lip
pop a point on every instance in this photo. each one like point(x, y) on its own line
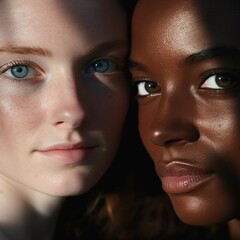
point(184, 184)
point(67, 153)
point(179, 176)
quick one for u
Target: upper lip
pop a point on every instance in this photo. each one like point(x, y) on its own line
point(67, 146)
point(180, 168)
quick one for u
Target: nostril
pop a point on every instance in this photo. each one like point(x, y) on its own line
point(60, 122)
point(172, 141)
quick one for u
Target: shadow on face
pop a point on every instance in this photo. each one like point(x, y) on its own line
point(221, 22)
point(188, 54)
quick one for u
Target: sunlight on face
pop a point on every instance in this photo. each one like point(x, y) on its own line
point(63, 92)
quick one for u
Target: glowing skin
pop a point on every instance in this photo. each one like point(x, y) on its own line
point(186, 68)
point(63, 97)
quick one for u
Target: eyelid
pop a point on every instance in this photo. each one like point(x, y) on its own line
point(6, 66)
point(140, 79)
point(36, 68)
point(231, 87)
point(204, 76)
point(215, 71)
point(140, 87)
point(14, 63)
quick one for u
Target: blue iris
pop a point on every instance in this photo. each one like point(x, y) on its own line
point(99, 66)
point(20, 71)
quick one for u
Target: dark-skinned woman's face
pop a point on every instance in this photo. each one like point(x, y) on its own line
point(186, 69)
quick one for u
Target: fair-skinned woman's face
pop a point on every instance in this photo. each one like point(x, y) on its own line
point(63, 92)
point(186, 67)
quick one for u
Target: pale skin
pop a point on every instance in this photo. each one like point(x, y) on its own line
point(185, 66)
point(63, 102)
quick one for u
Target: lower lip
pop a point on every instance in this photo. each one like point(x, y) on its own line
point(184, 184)
point(67, 156)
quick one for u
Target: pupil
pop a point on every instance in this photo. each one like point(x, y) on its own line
point(224, 81)
point(101, 66)
point(151, 87)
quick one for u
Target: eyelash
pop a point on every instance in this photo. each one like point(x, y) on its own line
point(112, 63)
point(232, 83)
point(138, 82)
point(24, 63)
point(35, 73)
point(227, 72)
point(5, 67)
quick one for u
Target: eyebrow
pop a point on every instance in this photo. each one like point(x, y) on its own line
point(213, 52)
point(25, 50)
point(197, 57)
point(136, 66)
point(108, 46)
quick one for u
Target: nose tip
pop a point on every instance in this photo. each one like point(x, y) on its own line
point(170, 120)
point(174, 134)
point(70, 119)
point(68, 105)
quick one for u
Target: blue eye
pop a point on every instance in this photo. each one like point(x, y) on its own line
point(19, 71)
point(101, 66)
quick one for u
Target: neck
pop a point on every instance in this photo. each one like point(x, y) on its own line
point(27, 215)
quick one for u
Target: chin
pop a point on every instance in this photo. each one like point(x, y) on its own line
point(199, 212)
point(71, 190)
point(200, 220)
point(70, 186)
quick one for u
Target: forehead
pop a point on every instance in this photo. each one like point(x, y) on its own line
point(59, 18)
point(205, 7)
point(79, 9)
point(214, 15)
point(201, 23)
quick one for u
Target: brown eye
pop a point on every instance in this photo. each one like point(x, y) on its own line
point(225, 80)
point(220, 81)
point(145, 88)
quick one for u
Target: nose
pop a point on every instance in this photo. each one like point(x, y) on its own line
point(173, 122)
point(67, 103)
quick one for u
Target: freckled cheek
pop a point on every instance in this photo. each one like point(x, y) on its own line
point(15, 130)
point(18, 115)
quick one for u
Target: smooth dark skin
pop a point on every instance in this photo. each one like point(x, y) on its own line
point(188, 121)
